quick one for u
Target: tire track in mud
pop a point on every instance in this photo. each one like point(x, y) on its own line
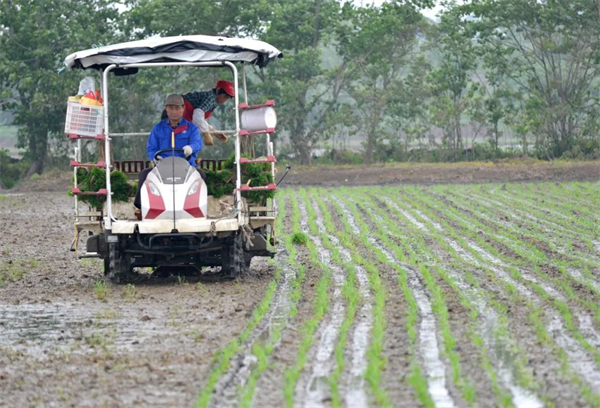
point(499, 348)
point(355, 394)
point(241, 366)
point(312, 387)
point(233, 388)
point(577, 357)
point(428, 344)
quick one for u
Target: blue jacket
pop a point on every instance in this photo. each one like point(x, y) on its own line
point(186, 134)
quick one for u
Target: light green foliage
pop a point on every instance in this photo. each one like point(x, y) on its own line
point(12, 271)
point(375, 74)
point(101, 289)
point(131, 293)
point(95, 179)
point(299, 238)
point(222, 182)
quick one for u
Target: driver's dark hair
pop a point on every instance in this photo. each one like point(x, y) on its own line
point(221, 91)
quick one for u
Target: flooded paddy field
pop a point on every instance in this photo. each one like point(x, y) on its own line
point(466, 295)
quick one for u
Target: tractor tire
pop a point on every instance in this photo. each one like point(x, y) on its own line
point(116, 266)
point(234, 261)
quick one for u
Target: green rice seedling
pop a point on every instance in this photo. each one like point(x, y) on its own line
point(573, 262)
point(536, 318)
point(373, 372)
point(562, 310)
point(376, 361)
point(567, 226)
point(320, 306)
point(349, 292)
point(423, 249)
point(200, 287)
point(299, 238)
point(101, 289)
point(131, 293)
point(262, 352)
point(223, 357)
point(559, 282)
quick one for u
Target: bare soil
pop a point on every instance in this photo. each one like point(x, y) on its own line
point(68, 339)
point(527, 170)
point(455, 173)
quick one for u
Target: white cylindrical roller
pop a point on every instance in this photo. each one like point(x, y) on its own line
point(254, 120)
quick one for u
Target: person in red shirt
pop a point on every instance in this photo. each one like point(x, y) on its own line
point(199, 106)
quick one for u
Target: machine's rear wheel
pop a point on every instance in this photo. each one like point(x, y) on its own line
point(117, 266)
point(234, 261)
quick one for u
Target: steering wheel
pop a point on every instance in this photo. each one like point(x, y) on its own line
point(165, 151)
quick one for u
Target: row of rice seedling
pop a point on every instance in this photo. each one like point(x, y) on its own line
point(517, 283)
point(321, 304)
point(568, 266)
point(565, 281)
point(446, 246)
point(399, 230)
point(545, 200)
point(316, 383)
point(489, 321)
point(578, 226)
point(345, 290)
point(547, 224)
point(289, 294)
point(430, 307)
point(350, 244)
point(223, 357)
point(533, 263)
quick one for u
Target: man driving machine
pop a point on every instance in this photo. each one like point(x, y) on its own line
point(186, 136)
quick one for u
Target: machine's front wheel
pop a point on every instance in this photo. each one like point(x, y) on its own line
point(234, 262)
point(116, 265)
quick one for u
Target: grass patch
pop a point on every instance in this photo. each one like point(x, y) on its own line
point(101, 290)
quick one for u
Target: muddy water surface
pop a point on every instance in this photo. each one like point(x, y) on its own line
point(69, 339)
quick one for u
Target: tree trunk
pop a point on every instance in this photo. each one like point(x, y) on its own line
point(305, 156)
point(38, 148)
point(36, 167)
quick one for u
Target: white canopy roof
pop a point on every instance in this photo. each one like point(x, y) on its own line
point(189, 48)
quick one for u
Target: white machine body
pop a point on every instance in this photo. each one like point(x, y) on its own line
point(174, 190)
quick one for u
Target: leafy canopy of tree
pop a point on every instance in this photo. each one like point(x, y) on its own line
point(525, 69)
point(35, 37)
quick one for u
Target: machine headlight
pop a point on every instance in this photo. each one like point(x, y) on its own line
point(153, 189)
point(193, 188)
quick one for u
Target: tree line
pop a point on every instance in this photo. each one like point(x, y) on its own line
point(526, 70)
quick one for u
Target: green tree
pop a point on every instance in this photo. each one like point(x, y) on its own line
point(410, 107)
point(376, 72)
point(451, 79)
point(307, 89)
point(548, 53)
point(144, 18)
point(35, 37)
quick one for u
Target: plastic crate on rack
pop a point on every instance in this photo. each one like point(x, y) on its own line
point(84, 120)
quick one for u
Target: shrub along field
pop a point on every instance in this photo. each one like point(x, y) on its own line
point(480, 295)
